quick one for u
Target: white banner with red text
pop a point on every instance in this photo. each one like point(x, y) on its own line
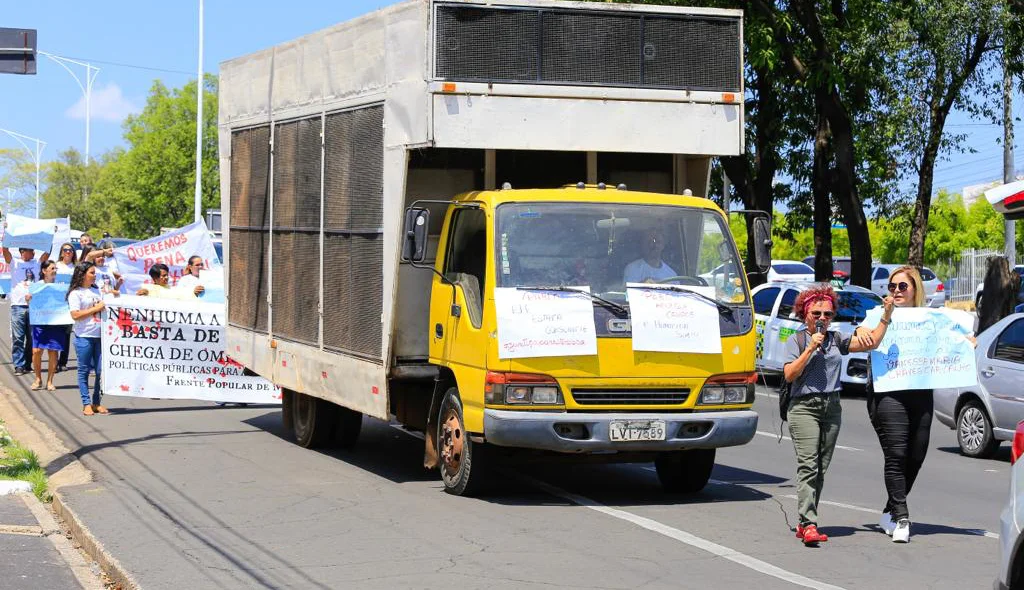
point(164, 348)
point(173, 248)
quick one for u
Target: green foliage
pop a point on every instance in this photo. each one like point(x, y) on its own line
point(18, 173)
point(19, 463)
point(70, 192)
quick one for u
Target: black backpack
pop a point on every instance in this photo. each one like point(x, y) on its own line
point(784, 388)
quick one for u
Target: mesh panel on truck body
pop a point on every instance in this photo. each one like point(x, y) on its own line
point(249, 224)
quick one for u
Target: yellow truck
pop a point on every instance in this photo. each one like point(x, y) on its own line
point(418, 231)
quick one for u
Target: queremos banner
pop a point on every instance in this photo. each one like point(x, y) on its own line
point(173, 248)
point(165, 348)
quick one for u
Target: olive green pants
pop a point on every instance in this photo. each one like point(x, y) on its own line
point(814, 423)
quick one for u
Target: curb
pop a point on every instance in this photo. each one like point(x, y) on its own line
point(36, 435)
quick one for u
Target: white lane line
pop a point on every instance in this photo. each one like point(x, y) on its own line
point(686, 538)
point(776, 437)
point(771, 395)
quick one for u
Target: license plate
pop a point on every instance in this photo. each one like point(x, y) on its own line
point(636, 430)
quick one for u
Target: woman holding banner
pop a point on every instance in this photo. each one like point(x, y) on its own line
point(48, 338)
point(902, 419)
point(87, 306)
point(66, 265)
point(813, 366)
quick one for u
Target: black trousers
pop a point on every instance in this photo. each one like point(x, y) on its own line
point(903, 422)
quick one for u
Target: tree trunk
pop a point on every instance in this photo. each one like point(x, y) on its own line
point(845, 186)
point(820, 187)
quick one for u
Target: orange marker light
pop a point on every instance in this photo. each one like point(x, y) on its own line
point(728, 97)
point(448, 87)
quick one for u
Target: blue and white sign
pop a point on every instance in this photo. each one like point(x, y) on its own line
point(923, 349)
point(28, 232)
point(48, 307)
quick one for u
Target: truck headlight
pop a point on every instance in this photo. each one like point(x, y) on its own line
point(735, 388)
point(516, 389)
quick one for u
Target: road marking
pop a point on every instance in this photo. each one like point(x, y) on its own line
point(776, 437)
point(685, 538)
point(771, 395)
point(991, 471)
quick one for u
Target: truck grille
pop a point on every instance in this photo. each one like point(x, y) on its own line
point(641, 397)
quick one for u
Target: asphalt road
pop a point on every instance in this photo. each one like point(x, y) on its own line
point(189, 494)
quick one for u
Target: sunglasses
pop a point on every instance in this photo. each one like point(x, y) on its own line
point(900, 286)
point(63, 250)
point(822, 314)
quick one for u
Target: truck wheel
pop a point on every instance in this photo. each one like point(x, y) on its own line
point(287, 403)
point(685, 472)
point(313, 420)
point(974, 431)
point(458, 458)
point(346, 431)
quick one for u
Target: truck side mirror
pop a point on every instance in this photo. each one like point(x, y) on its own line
point(762, 243)
point(414, 242)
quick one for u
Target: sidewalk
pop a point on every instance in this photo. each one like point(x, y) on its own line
point(36, 554)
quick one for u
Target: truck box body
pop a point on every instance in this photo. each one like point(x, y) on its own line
point(325, 140)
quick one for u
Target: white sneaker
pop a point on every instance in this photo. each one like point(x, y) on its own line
point(901, 534)
point(887, 523)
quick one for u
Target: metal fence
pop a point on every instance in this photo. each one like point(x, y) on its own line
point(967, 273)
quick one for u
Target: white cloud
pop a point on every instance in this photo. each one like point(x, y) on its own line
point(108, 104)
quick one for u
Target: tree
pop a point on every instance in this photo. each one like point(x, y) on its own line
point(17, 172)
point(70, 192)
point(151, 184)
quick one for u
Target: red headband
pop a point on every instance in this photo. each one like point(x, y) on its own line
point(816, 297)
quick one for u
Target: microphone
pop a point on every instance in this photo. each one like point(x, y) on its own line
point(819, 327)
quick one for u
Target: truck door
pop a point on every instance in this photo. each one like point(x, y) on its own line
point(458, 316)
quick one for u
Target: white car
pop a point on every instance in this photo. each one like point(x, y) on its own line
point(934, 290)
point(985, 414)
point(775, 324)
point(790, 270)
point(1011, 549)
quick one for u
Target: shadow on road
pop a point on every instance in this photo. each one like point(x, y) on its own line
point(1002, 454)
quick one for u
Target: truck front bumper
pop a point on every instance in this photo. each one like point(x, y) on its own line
point(589, 432)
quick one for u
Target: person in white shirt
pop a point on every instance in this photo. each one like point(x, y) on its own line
point(67, 259)
point(87, 307)
point(108, 279)
point(190, 280)
point(650, 268)
point(161, 276)
point(24, 266)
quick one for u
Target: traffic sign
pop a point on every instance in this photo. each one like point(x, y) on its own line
point(17, 51)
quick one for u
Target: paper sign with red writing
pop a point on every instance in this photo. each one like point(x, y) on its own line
point(172, 248)
point(673, 320)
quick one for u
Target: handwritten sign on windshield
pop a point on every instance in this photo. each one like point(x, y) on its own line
point(544, 323)
point(671, 321)
point(923, 349)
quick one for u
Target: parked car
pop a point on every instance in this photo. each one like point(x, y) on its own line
point(1011, 563)
point(775, 324)
point(934, 290)
point(985, 414)
point(841, 266)
point(1019, 269)
point(790, 270)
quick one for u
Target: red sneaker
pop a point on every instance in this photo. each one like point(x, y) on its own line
point(799, 531)
point(812, 536)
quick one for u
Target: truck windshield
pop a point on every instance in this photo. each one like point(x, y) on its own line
point(605, 246)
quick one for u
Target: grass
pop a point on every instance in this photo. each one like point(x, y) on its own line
point(17, 462)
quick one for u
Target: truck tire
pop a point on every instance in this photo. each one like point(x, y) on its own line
point(685, 472)
point(459, 460)
point(349, 425)
point(313, 420)
point(974, 431)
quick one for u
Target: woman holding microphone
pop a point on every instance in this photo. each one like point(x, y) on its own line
point(813, 363)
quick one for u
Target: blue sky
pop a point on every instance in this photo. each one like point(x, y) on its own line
point(163, 35)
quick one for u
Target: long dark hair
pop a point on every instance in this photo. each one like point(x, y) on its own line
point(74, 255)
point(44, 266)
point(999, 292)
point(78, 277)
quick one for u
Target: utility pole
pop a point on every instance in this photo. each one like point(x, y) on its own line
point(1009, 226)
point(725, 193)
point(199, 122)
point(36, 156)
point(91, 72)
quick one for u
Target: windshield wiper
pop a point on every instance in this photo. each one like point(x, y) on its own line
point(723, 309)
point(605, 302)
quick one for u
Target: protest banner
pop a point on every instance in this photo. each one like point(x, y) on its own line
point(172, 248)
point(5, 277)
point(61, 236)
point(48, 306)
point(28, 232)
point(667, 320)
point(544, 323)
point(212, 281)
point(923, 349)
point(174, 349)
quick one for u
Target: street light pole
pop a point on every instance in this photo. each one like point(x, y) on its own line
point(40, 144)
point(91, 72)
point(199, 123)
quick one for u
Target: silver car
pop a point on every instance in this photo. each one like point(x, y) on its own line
point(775, 322)
point(934, 290)
point(1011, 563)
point(986, 414)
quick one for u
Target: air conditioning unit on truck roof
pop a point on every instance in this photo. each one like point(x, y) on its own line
point(326, 140)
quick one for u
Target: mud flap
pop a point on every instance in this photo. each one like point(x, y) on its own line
point(430, 459)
